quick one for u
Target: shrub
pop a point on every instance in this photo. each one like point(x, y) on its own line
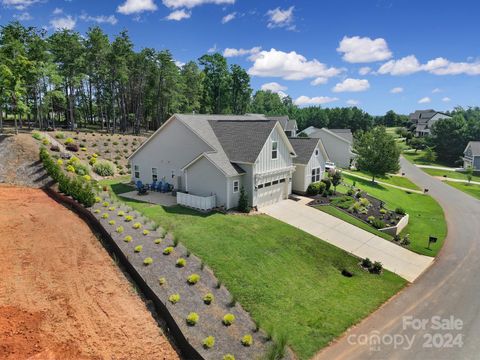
point(59, 135)
point(376, 268)
point(370, 219)
point(316, 188)
point(59, 162)
point(120, 229)
point(112, 222)
point(228, 357)
point(69, 141)
point(364, 202)
point(83, 148)
point(145, 232)
point(128, 218)
point(106, 204)
point(378, 224)
point(243, 201)
point(81, 169)
point(105, 216)
point(137, 225)
point(208, 342)
point(70, 168)
point(247, 340)
point(228, 319)
point(45, 142)
point(277, 349)
point(121, 213)
point(147, 261)
point(328, 184)
point(192, 318)
point(208, 298)
point(193, 279)
point(158, 241)
point(167, 250)
point(111, 208)
point(37, 136)
point(55, 148)
point(72, 147)
point(181, 262)
point(162, 281)
point(405, 240)
point(128, 238)
point(138, 248)
point(400, 211)
point(87, 177)
point(383, 211)
point(97, 211)
point(92, 161)
point(366, 263)
point(350, 192)
point(104, 168)
point(174, 298)
point(98, 199)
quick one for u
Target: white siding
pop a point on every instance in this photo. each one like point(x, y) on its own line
point(233, 197)
point(265, 163)
point(303, 173)
point(338, 150)
point(171, 149)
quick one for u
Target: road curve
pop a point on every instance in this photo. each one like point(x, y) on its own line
point(448, 294)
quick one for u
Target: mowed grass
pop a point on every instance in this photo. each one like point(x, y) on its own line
point(352, 220)
point(470, 189)
point(450, 174)
point(389, 179)
point(288, 280)
point(426, 215)
point(420, 159)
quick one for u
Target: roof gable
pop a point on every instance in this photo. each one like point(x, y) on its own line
point(305, 147)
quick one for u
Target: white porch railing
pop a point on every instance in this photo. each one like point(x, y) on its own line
point(204, 203)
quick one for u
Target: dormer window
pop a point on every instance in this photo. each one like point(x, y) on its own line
point(316, 152)
point(274, 150)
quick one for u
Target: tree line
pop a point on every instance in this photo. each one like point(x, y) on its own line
point(92, 81)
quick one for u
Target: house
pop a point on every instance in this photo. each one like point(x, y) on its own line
point(424, 120)
point(290, 126)
point(309, 163)
point(337, 143)
point(472, 155)
point(206, 155)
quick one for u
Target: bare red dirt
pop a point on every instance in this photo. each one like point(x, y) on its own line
point(61, 295)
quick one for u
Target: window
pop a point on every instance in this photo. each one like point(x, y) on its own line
point(154, 174)
point(282, 181)
point(236, 186)
point(316, 175)
point(268, 184)
point(260, 186)
point(136, 169)
point(274, 150)
point(275, 182)
point(316, 152)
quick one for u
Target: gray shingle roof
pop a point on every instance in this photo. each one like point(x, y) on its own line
point(304, 148)
point(344, 133)
point(475, 147)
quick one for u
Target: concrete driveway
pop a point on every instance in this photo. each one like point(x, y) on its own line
point(356, 241)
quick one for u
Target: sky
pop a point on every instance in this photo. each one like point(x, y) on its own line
point(375, 54)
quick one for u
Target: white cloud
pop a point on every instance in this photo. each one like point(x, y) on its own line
point(19, 4)
point(358, 49)
point(229, 17)
point(179, 63)
point(424, 100)
point(57, 11)
point(396, 90)
point(213, 49)
point(438, 66)
point(353, 102)
point(231, 52)
point(136, 6)
point(273, 87)
point(179, 15)
point(63, 23)
point(318, 100)
point(364, 70)
point(436, 90)
point(101, 19)
point(25, 16)
point(289, 66)
point(281, 18)
point(352, 85)
point(319, 81)
point(189, 4)
point(446, 99)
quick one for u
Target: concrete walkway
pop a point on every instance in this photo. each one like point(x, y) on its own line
point(444, 168)
point(456, 180)
point(383, 183)
point(350, 238)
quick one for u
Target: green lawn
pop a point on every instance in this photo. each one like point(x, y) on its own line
point(419, 158)
point(352, 220)
point(470, 189)
point(390, 179)
point(288, 280)
point(426, 215)
point(450, 174)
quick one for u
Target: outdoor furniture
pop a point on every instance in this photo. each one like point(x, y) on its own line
point(139, 184)
point(159, 186)
point(153, 186)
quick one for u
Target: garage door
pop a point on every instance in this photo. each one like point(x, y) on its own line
point(270, 193)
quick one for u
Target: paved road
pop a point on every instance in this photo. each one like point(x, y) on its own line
point(450, 288)
point(348, 237)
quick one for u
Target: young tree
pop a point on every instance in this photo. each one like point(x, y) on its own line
point(430, 155)
point(336, 178)
point(377, 152)
point(243, 201)
point(469, 173)
point(417, 143)
point(449, 137)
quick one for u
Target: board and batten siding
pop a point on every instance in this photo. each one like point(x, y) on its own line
point(302, 177)
point(171, 149)
point(338, 150)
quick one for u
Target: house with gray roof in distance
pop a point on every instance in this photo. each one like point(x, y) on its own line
point(290, 126)
point(337, 143)
point(471, 155)
point(214, 156)
point(424, 120)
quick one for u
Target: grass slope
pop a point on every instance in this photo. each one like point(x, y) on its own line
point(419, 158)
point(470, 189)
point(450, 174)
point(389, 179)
point(426, 215)
point(287, 279)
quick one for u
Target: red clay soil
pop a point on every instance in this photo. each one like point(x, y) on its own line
point(61, 295)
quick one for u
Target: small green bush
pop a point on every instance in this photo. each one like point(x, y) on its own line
point(97, 211)
point(111, 208)
point(366, 263)
point(181, 262)
point(98, 199)
point(228, 357)
point(400, 211)
point(228, 319)
point(69, 141)
point(81, 169)
point(120, 229)
point(370, 219)
point(316, 188)
point(208, 298)
point(147, 261)
point(111, 222)
point(127, 238)
point(158, 241)
point(106, 204)
point(376, 268)
point(383, 211)
point(162, 281)
point(193, 279)
point(247, 340)
point(208, 342)
point(59, 135)
point(137, 225)
point(146, 232)
point(175, 298)
point(37, 136)
point(350, 192)
point(70, 168)
point(105, 216)
point(138, 248)
point(378, 224)
point(128, 218)
point(121, 213)
point(104, 168)
point(192, 318)
point(167, 250)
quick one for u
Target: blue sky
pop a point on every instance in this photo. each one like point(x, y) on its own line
point(376, 54)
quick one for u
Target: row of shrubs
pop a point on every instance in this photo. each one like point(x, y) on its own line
point(77, 187)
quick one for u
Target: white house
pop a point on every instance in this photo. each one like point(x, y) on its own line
point(471, 155)
point(309, 163)
point(337, 143)
point(424, 120)
point(206, 155)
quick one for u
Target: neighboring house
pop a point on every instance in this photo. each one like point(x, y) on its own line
point(424, 120)
point(472, 155)
point(337, 143)
point(289, 126)
point(309, 163)
point(207, 155)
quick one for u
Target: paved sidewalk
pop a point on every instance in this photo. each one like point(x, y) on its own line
point(456, 180)
point(350, 238)
point(445, 168)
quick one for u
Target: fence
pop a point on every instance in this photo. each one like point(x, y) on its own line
point(204, 203)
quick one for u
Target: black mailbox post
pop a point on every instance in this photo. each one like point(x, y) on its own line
point(431, 240)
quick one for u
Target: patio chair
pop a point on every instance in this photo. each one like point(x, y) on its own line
point(153, 186)
point(139, 185)
point(159, 186)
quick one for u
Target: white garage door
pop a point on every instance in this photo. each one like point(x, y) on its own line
point(270, 193)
